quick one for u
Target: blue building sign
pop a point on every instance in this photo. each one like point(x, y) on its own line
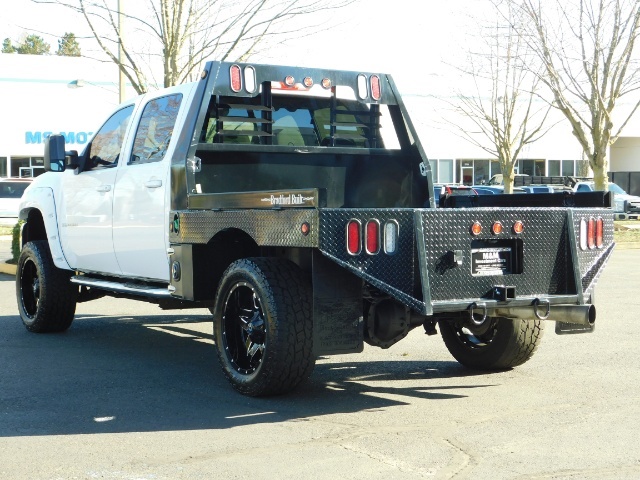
point(80, 138)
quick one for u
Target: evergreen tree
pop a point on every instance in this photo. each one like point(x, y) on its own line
point(68, 46)
point(7, 46)
point(34, 45)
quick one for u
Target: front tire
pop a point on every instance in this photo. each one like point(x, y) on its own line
point(263, 326)
point(497, 344)
point(46, 298)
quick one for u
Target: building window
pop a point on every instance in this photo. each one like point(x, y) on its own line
point(481, 172)
point(3, 167)
point(554, 168)
point(582, 168)
point(495, 168)
point(434, 170)
point(567, 168)
point(446, 171)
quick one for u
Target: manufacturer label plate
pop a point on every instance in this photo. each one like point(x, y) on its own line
point(490, 261)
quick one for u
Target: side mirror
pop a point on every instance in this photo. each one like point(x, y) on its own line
point(54, 154)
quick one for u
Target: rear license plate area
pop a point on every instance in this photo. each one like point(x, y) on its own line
point(496, 257)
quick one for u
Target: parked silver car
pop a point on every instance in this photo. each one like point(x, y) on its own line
point(11, 190)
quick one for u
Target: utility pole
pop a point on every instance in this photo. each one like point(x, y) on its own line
point(122, 79)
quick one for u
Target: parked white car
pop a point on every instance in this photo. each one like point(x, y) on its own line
point(11, 190)
point(623, 202)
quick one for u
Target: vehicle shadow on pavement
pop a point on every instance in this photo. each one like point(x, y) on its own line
point(161, 373)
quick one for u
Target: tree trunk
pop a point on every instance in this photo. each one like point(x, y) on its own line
point(507, 177)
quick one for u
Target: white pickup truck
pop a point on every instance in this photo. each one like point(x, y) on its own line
point(297, 205)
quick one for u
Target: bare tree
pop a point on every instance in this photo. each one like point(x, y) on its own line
point(587, 47)
point(505, 110)
point(181, 34)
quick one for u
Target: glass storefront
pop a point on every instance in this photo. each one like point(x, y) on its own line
point(20, 166)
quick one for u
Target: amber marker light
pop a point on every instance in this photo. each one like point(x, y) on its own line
point(289, 80)
point(326, 83)
point(496, 228)
point(476, 228)
point(307, 82)
point(305, 228)
point(518, 227)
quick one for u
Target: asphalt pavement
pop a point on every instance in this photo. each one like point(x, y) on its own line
point(133, 392)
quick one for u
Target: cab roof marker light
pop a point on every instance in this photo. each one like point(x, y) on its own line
point(289, 81)
point(307, 82)
point(326, 83)
point(363, 91)
point(250, 84)
point(496, 228)
point(476, 228)
point(236, 78)
point(376, 88)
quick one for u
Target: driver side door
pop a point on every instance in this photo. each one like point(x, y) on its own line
point(85, 215)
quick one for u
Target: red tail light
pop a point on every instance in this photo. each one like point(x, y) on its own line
point(599, 233)
point(591, 234)
point(236, 78)
point(354, 245)
point(372, 237)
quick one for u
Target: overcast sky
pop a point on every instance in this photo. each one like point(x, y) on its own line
point(411, 39)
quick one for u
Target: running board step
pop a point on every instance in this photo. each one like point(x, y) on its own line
point(119, 287)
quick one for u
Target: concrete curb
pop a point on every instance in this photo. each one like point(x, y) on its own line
point(7, 268)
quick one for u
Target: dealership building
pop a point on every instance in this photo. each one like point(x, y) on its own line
point(44, 94)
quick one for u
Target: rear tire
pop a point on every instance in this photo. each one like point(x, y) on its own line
point(46, 298)
point(497, 344)
point(262, 324)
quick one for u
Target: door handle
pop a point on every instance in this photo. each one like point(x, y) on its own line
point(104, 188)
point(153, 183)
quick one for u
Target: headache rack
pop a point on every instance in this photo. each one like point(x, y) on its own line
point(310, 120)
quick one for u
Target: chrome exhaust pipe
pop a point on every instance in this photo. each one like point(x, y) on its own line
point(574, 314)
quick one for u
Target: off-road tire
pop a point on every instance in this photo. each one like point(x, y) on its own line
point(505, 343)
point(274, 300)
point(46, 298)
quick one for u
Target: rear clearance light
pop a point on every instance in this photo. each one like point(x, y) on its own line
point(372, 237)
point(236, 78)
point(591, 234)
point(518, 227)
point(354, 243)
point(376, 91)
point(496, 228)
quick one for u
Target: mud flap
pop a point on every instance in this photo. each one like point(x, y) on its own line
point(337, 309)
